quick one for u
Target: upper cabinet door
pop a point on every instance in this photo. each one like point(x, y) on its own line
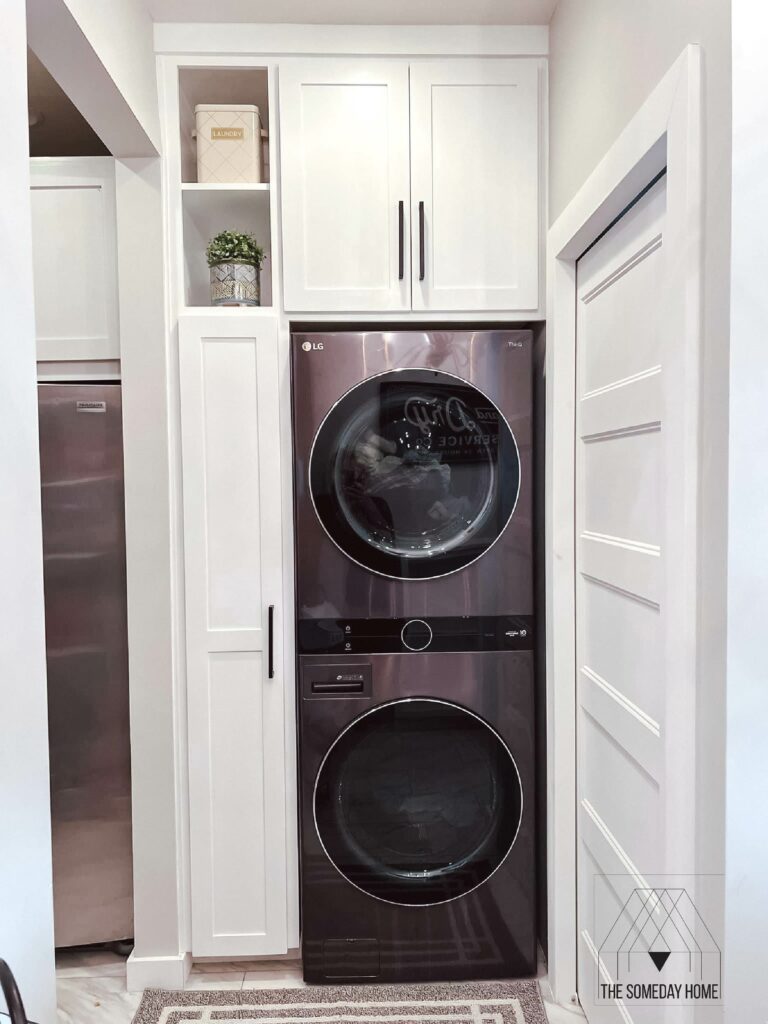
point(345, 185)
point(74, 245)
point(475, 184)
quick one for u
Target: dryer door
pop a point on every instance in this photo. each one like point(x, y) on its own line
point(418, 802)
point(414, 474)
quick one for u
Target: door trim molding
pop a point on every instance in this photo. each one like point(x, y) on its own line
point(665, 132)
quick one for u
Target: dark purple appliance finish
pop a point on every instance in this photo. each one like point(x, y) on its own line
point(413, 495)
point(495, 363)
point(488, 931)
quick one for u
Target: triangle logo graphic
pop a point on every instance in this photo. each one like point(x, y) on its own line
point(659, 957)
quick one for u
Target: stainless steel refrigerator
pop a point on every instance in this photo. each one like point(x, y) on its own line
point(81, 467)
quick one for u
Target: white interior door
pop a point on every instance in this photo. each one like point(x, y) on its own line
point(233, 574)
point(345, 186)
point(475, 184)
point(635, 762)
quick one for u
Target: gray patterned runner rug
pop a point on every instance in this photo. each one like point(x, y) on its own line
point(505, 1002)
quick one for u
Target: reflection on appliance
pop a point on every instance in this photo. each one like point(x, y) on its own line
point(414, 474)
point(417, 802)
point(418, 816)
point(415, 641)
point(81, 469)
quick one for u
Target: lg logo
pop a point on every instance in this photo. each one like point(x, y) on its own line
point(309, 346)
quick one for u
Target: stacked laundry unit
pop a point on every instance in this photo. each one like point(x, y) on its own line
point(414, 588)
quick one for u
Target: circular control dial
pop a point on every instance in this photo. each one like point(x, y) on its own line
point(416, 635)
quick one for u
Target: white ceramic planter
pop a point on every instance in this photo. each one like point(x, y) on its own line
point(235, 284)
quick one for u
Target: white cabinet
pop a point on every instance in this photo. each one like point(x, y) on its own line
point(75, 258)
point(235, 684)
point(475, 184)
point(345, 184)
point(410, 186)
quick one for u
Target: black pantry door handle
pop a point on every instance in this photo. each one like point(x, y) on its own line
point(401, 240)
point(421, 240)
point(271, 642)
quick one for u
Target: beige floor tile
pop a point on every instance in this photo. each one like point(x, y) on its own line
point(276, 978)
point(200, 980)
point(272, 965)
point(95, 1001)
point(557, 1014)
point(220, 967)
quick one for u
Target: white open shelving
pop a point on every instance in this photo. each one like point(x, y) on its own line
point(208, 208)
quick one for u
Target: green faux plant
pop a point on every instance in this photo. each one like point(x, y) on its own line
point(234, 247)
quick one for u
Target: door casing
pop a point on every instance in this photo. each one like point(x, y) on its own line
point(666, 131)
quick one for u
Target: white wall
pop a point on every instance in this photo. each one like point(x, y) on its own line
point(605, 58)
point(747, 821)
point(26, 898)
point(158, 699)
point(102, 55)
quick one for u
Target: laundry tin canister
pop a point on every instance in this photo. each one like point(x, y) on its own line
point(229, 143)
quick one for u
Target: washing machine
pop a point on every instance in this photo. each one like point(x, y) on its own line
point(414, 597)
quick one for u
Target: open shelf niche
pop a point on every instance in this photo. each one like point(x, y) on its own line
point(210, 207)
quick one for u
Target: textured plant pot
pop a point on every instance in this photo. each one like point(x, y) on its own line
point(235, 284)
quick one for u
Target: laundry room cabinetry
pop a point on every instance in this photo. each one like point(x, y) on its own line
point(345, 184)
point(411, 185)
point(74, 246)
point(475, 184)
point(234, 613)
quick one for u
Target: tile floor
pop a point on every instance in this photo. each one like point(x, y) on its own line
point(91, 985)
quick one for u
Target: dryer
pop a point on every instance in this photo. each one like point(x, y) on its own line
point(413, 469)
point(415, 654)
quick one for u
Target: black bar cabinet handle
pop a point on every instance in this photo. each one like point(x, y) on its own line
point(401, 240)
point(271, 642)
point(421, 240)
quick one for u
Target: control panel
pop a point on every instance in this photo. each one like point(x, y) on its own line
point(438, 634)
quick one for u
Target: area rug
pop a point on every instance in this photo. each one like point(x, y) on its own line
point(505, 1002)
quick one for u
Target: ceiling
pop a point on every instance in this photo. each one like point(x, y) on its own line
point(61, 130)
point(357, 12)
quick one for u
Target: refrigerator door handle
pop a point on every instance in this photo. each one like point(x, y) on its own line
point(421, 240)
point(401, 240)
point(271, 642)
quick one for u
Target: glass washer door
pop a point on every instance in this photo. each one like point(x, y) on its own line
point(418, 802)
point(414, 474)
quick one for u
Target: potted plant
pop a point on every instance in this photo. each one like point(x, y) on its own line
point(235, 260)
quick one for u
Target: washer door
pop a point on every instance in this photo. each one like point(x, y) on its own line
point(414, 474)
point(418, 802)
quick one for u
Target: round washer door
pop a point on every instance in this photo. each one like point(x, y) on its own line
point(418, 802)
point(414, 474)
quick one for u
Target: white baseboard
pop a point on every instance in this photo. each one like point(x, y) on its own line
point(157, 971)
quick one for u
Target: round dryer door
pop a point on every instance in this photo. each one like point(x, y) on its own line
point(418, 802)
point(414, 474)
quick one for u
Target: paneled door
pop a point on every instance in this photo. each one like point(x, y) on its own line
point(345, 186)
point(475, 184)
point(633, 598)
point(233, 581)
point(74, 245)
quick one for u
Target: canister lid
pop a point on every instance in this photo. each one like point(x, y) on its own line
point(227, 106)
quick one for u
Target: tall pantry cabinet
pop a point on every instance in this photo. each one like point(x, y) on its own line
point(234, 614)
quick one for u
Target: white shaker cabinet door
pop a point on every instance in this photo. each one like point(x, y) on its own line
point(345, 185)
point(74, 246)
point(233, 576)
point(475, 184)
